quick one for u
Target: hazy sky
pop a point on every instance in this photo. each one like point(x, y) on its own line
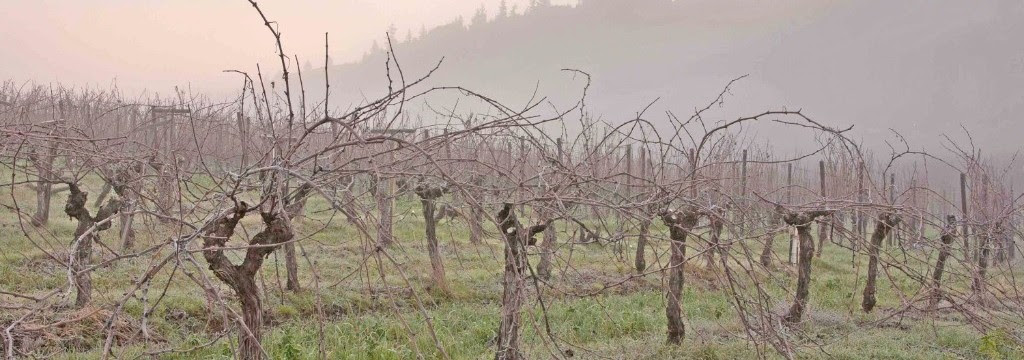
point(156, 45)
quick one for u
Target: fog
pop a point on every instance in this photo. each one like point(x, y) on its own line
point(919, 69)
point(922, 69)
point(157, 45)
point(649, 179)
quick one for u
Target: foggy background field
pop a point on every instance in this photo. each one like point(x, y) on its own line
point(921, 68)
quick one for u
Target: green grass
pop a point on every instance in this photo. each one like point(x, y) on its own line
point(366, 317)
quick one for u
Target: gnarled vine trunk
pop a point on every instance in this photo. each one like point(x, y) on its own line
point(885, 223)
point(802, 221)
point(766, 253)
point(44, 186)
point(85, 234)
point(296, 208)
point(242, 278)
point(717, 222)
point(680, 224)
point(547, 251)
point(124, 182)
point(769, 242)
point(641, 244)
point(514, 281)
point(43, 195)
point(948, 234)
point(978, 284)
point(127, 233)
point(428, 196)
point(824, 228)
point(476, 229)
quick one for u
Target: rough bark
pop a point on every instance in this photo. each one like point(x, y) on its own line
point(883, 225)
point(347, 199)
point(823, 224)
point(824, 227)
point(769, 241)
point(766, 253)
point(838, 226)
point(717, 222)
point(296, 208)
point(252, 317)
point(514, 281)
point(124, 183)
point(999, 242)
point(166, 191)
point(802, 221)
point(476, 229)
point(44, 187)
point(43, 195)
point(948, 234)
point(641, 244)
point(381, 190)
point(242, 278)
point(127, 233)
point(296, 204)
point(547, 251)
point(428, 195)
point(978, 285)
point(680, 224)
point(291, 265)
point(84, 236)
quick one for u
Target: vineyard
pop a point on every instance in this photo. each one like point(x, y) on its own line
point(275, 226)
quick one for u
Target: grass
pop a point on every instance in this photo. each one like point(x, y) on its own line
point(367, 317)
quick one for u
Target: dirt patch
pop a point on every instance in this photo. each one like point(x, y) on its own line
point(592, 282)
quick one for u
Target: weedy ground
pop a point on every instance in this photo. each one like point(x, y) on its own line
point(375, 307)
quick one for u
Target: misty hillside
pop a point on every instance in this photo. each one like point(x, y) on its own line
point(921, 67)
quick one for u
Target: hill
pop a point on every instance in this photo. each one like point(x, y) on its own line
point(919, 67)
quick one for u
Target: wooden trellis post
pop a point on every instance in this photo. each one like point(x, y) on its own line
point(629, 169)
point(743, 195)
point(823, 222)
point(524, 154)
point(547, 248)
point(1011, 244)
point(862, 197)
point(892, 202)
point(166, 127)
point(628, 191)
point(164, 146)
point(794, 246)
point(966, 218)
point(243, 137)
point(386, 191)
point(693, 173)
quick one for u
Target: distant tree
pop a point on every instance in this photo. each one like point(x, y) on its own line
point(392, 30)
point(503, 9)
point(480, 17)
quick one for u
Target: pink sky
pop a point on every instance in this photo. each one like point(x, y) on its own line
point(156, 45)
